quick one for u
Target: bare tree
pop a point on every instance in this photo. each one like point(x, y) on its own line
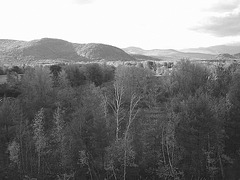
point(132, 115)
point(116, 106)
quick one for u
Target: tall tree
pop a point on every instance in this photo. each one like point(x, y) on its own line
point(39, 138)
point(188, 77)
point(196, 133)
point(37, 91)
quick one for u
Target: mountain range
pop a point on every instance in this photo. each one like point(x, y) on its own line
point(48, 51)
point(202, 53)
point(167, 54)
point(219, 49)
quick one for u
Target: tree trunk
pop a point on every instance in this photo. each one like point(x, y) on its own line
point(221, 166)
point(117, 128)
point(39, 163)
point(132, 116)
point(22, 166)
point(164, 160)
point(125, 161)
point(169, 161)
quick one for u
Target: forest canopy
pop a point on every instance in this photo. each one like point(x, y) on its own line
point(96, 121)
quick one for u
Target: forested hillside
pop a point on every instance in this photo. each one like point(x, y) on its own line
point(98, 122)
point(52, 51)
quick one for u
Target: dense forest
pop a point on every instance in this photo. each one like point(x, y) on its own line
point(99, 122)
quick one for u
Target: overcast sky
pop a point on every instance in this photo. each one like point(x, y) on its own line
point(147, 24)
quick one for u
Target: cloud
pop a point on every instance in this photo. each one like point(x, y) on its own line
point(224, 6)
point(224, 20)
point(221, 26)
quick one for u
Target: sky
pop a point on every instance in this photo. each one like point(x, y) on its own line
point(149, 24)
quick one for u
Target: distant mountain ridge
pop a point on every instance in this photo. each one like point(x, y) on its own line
point(219, 49)
point(57, 50)
point(205, 53)
point(167, 54)
point(145, 58)
point(49, 50)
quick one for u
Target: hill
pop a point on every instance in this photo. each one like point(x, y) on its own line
point(219, 49)
point(225, 56)
point(95, 51)
point(145, 58)
point(168, 54)
point(49, 50)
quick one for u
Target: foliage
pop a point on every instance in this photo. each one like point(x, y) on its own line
point(14, 154)
point(16, 69)
point(36, 90)
point(188, 77)
point(94, 73)
point(75, 75)
point(200, 134)
point(132, 80)
point(99, 122)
